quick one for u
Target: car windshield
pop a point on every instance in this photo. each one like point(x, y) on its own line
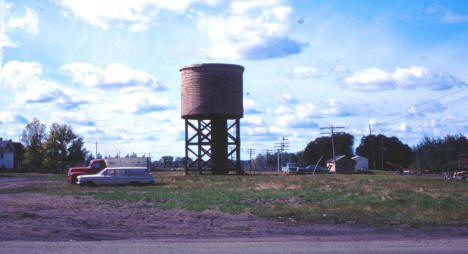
point(291, 165)
point(102, 172)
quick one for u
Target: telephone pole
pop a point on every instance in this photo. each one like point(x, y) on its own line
point(281, 147)
point(372, 147)
point(251, 151)
point(332, 133)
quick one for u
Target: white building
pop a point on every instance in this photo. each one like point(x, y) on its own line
point(362, 163)
point(10, 155)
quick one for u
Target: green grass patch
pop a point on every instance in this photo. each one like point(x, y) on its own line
point(377, 198)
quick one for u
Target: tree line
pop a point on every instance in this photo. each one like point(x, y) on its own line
point(388, 153)
point(59, 148)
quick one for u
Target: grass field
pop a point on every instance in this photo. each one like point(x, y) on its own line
point(378, 199)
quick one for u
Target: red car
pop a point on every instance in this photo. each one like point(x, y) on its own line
point(94, 167)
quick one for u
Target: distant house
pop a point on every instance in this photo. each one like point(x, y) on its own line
point(343, 164)
point(362, 163)
point(10, 155)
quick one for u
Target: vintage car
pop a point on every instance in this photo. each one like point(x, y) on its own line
point(290, 168)
point(118, 175)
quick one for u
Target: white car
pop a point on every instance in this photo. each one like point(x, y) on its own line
point(120, 175)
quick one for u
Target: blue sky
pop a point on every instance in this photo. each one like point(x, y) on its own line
point(110, 69)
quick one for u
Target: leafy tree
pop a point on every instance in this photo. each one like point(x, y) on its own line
point(392, 149)
point(322, 147)
point(76, 151)
point(58, 144)
point(440, 153)
point(33, 138)
point(167, 160)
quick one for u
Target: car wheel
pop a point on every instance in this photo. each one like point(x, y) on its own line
point(74, 179)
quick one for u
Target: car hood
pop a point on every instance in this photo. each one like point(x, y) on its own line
point(78, 169)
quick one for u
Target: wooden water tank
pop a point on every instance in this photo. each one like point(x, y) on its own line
point(212, 91)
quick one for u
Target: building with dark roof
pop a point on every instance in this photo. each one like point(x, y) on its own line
point(11, 155)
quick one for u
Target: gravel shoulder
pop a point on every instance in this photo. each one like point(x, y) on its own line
point(287, 244)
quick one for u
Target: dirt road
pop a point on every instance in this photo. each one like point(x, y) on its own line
point(240, 245)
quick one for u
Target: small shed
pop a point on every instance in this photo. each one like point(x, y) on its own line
point(362, 163)
point(10, 155)
point(343, 164)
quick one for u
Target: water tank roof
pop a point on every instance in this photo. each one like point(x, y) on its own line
point(212, 65)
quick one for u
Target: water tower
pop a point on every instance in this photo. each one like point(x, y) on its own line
point(212, 107)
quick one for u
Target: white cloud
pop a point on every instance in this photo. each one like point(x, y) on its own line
point(92, 132)
point(288, 98)
point(72, 117)
point(251, 107)
point(304, 72)
point(8, 117)
point(137, 103)
point(28, 21)
point(329, 108)
point(421, 108)
point(5, 42)
point(374, 79)
point(24, 80)
point(251, 30)
point(115, 76)
point(136, 15)
point(256, 121)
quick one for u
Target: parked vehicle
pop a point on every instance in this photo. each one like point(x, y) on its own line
point(119, 175)
point(460, 175)
point(94, 167)
point(98, 164)
point(311, 169)
point(290, 168)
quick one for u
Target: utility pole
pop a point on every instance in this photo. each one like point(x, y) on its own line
point(382, 151)
point(332, 133)
point(251, 151)
point(281, 147)
point(96, 149)
point(372, 147)
point(278, 159)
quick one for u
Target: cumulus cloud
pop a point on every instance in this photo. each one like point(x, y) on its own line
point(374, 79)
point(8, 117)
point(5, 42)
point(115, 76)
point(327, 108)
point(251, 107)
point(253, 30)
point(98, 133)
point(24, 80)
point(71, 117)
point(305, 115)
point(304, 72)
point(253, 121)
point(134, 15)
point(288, 98)
point(401, 127)
point(424, 107)
point(27, 21)
point(137, 103)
